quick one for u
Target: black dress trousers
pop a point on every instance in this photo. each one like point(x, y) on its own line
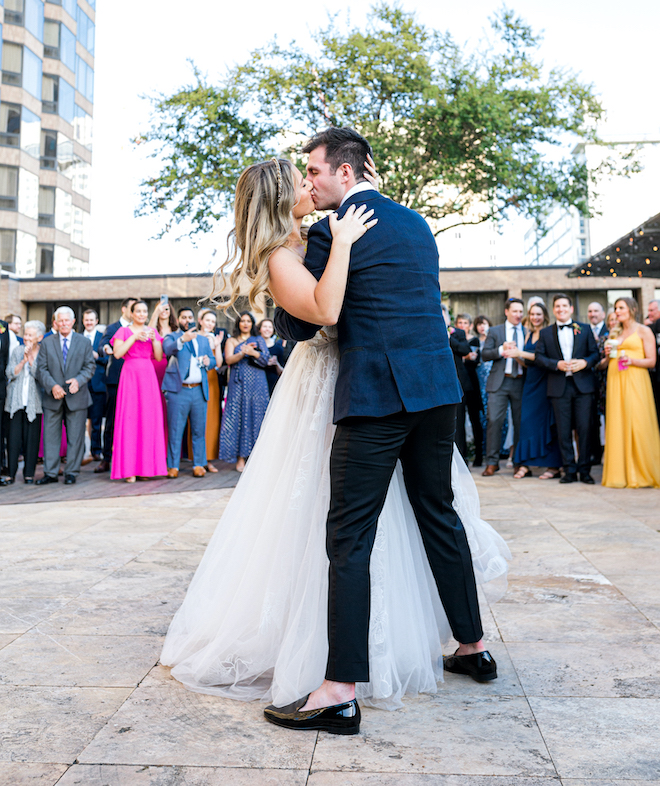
point(364, 456)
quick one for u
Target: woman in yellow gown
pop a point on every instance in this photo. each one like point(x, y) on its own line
point(632, 437)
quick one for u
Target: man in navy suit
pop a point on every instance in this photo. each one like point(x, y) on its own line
point(568, 350)
point(186, 387)
point(112, 372)
point(395, 398)
point(596, 317)
point(97, 383)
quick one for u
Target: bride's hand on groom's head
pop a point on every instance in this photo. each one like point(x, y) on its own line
point(371, 173)
point(355, 222)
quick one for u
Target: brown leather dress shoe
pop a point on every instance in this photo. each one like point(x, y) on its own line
point(104, 466)
point(491, 469)
point(199, 472)
point(172, 473)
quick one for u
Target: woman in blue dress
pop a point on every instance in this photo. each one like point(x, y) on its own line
point(537, 445)
point(247, 356)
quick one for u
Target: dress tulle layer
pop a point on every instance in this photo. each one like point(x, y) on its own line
point(253, 624)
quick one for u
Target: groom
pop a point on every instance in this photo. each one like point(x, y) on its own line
point(395, 398)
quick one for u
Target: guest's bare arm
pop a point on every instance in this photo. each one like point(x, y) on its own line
point(297, 291)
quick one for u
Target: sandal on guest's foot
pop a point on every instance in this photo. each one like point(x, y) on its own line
point(550, 474)
point(523, 472)
point(131, 479)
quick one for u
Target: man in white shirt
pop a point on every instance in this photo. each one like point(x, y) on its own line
point(96, 384)
point(505, 381)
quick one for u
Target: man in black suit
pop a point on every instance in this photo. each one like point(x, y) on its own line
point(568, 350)
point(596, 317)
point(112, 372)
point(4, 359)
point(472, 397)
point(97, 382)
point(653, 321)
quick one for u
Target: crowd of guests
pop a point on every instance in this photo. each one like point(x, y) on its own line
point(146, 389)
point(568, 394)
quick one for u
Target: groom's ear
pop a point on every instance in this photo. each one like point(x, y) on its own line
point(345, 172)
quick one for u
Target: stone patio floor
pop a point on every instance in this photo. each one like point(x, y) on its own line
point(88, 587)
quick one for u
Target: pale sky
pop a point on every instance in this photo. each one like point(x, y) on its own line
point(143, 48)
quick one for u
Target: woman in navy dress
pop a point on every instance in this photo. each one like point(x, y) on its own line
point(537, 445)
point(247, 356)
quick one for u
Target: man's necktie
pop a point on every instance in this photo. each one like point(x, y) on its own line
point(65, 350)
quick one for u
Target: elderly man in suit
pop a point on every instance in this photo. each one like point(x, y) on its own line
point(505, 381)
point(186, 387)
point(568, 350)
point(65, 364)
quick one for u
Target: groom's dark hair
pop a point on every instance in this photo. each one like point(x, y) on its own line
point(342, 146)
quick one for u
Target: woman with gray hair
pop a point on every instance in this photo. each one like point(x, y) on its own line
point(23, 403)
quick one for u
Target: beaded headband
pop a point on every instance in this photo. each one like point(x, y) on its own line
point(279, 180)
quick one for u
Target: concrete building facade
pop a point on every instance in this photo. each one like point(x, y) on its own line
point(46, 107)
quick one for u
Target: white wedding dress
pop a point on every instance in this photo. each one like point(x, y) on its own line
point(253, 623)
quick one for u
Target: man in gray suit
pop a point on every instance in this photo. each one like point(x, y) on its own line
point(65, 365)
point(505, 381)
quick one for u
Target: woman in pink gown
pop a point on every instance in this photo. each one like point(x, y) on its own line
point(139, 444)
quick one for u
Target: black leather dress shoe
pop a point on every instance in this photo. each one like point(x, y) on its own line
point(29, 481)
point(46, 479)
point(568, 479)
point(481, 666)
point(69, 480)
point(6, 481)
point(338, 719)
point(97, 457)
point(104, 466)
point(585, 477)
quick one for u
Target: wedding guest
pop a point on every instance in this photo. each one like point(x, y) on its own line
point(15, 324)
point(460, 348)
point(481, 327)
point(275, 367)
point(97, 382)
point(163, 322)
point(4, 359)
point(568, 351)
point(207, 324)
point(596, 317)
point(538, 445)
point(112, 375)
point(632, 437)
point(65, 364)
point(505, 381)
point(600, 369)
point(186, 387)
point(473, 402)
point(23, 404)
point(247, 356)
point(653, 321)
point(139, 436)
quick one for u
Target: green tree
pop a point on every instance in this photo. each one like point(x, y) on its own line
point(461, 137)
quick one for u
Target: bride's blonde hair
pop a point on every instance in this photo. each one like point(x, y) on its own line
point(265, 197)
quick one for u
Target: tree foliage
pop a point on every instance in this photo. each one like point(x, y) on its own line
point(461, 137)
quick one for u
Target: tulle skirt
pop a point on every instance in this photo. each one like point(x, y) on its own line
point(253, 623)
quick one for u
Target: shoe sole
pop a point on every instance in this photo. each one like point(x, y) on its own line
point(346, 730)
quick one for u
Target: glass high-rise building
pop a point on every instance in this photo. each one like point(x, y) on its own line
point(46, 102)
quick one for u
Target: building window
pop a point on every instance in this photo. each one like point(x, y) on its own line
point(84, 79)
point(27, 13)
point(46, 206)
point(10, 124)
point(8, 249)
point(45, 254)
point(32, 73)
point(59, 43)
point(85, 31)
point(30, 132)
point(12, 64)
point(8, 187)
point(51, 39)
point(14, 14)
point(82, 128)
point(48, 149)
point(67, 103)
point(50, 92)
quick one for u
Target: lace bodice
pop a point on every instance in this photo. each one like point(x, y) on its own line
point(326, 335)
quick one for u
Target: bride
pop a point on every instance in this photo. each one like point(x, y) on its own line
point(253, 623)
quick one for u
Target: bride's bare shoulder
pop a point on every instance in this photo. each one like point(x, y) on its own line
point(284, 256)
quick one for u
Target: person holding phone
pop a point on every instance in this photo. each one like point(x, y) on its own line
point(247, 356)
point(163, 322)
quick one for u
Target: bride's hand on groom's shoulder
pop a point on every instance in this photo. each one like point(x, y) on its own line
point(355, 222)
point(371, 173)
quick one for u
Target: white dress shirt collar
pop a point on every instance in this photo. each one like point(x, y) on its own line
point(356, 190)
point(124, 322)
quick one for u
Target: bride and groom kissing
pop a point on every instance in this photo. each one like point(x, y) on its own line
point(268, 615)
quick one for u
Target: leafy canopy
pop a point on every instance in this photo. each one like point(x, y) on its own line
point(461, 137)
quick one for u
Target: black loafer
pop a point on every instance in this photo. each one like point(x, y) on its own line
point(29, 481)
point(568, 479)
point(338, 719)
point(481, 666)
point(585, 477)
point(69, 480)
point(46, 479)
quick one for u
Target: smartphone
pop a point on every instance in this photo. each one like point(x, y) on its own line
point(164, 300)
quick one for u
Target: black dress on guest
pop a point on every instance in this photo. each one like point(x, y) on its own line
point(278, 351)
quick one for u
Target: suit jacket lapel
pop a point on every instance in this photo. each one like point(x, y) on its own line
point(555, 332)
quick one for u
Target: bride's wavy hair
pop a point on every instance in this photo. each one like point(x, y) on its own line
point(265, 197)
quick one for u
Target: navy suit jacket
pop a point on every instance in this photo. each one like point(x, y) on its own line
point(392, 284)
point(113, 365)
point(4, 357)
point(178, 366)
point(97, 382)
point(548, 354)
